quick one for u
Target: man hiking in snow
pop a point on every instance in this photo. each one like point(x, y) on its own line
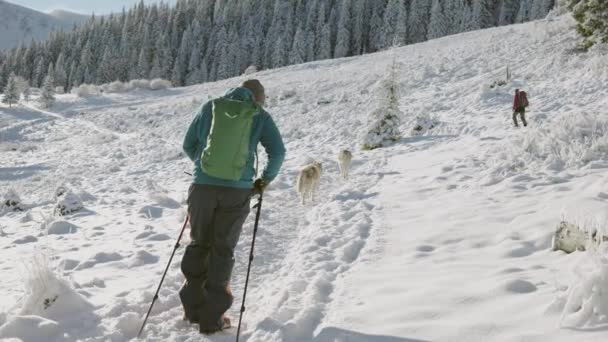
point(222, 142)
point(520, 102)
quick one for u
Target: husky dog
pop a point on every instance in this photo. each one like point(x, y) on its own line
point(308, 180)
point(345, 157)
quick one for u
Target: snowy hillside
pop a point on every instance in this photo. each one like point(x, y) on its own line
point(21, 24)
point(442, 237)
point(68, 17)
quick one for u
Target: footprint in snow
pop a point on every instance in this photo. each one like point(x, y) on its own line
point(519, 286)
point(159, 237)
point(151, 212)
point(25, 239)
point(425, 248)
point(100, 258)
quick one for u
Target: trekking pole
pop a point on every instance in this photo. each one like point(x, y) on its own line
point(255, 230)
point(163, 278)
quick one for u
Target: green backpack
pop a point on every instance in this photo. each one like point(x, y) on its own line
point(227, 150)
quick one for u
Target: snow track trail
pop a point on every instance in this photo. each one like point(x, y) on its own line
point(441, 237)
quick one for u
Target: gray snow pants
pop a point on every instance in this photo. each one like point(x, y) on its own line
point(217, 215)
point(522, 114)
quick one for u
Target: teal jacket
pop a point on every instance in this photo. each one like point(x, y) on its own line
point(263, 131)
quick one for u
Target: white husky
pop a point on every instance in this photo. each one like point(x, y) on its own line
point(345, 157)
point(308, 180)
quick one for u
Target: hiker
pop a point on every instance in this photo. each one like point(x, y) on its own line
point(222, 142)
point(520, 102)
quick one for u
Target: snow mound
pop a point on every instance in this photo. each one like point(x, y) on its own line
point(51, 308)
point(142, 258)
point(67, 201)
point(61, 228)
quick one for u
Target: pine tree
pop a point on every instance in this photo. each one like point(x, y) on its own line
point(11, 94)
point(47, 96)
point(298, 51)
point(420, 13)
point(60, 75)
point(39, 72)
point(384, 121)
point(344, 31)
point(592, 18)
point(438, 25)
point(325, 43)
point(483, 12)
point(395, 23)
point(376, 30)
point(508, 12)
point(523, 14)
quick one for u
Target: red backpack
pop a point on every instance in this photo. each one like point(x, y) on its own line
point(523, 99)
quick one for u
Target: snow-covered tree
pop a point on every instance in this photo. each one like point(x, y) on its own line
point(438, 25)
point(484, 13)
point(298, 51)
point(420, 13)
point(344, 30)
point(376, 27)
point(395, 23)
point(384, 120)
point(325, 43)
point(47, 96)
point(60, 75)
point(508, 12)
point(11, 93)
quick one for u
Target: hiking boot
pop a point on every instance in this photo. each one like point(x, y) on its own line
point(222, 324)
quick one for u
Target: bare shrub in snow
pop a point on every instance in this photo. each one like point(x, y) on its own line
point(422, 124)
point(586, 305)
point(567, 141)
point(570, 237)
point(51, 308)
point(59, 90)
point(159, 84)
point(86, 90)
point(384, 121)
point(67, 201)
point(115, 87)
point(252, 69)
point(287, 94)
point(11, 201)
point(139, 84)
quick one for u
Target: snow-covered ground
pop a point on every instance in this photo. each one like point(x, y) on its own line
point(441, 237)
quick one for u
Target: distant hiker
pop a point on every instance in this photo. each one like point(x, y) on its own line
point(222, 142)
point(520, 102)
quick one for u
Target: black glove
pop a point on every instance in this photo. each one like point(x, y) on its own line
point(258, 186)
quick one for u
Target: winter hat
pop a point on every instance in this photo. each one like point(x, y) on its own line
point(257, 89)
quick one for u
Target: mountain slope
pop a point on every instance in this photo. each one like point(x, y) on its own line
point(21, 24)
point(441, 237)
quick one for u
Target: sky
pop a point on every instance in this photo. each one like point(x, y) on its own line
point(82, 6)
